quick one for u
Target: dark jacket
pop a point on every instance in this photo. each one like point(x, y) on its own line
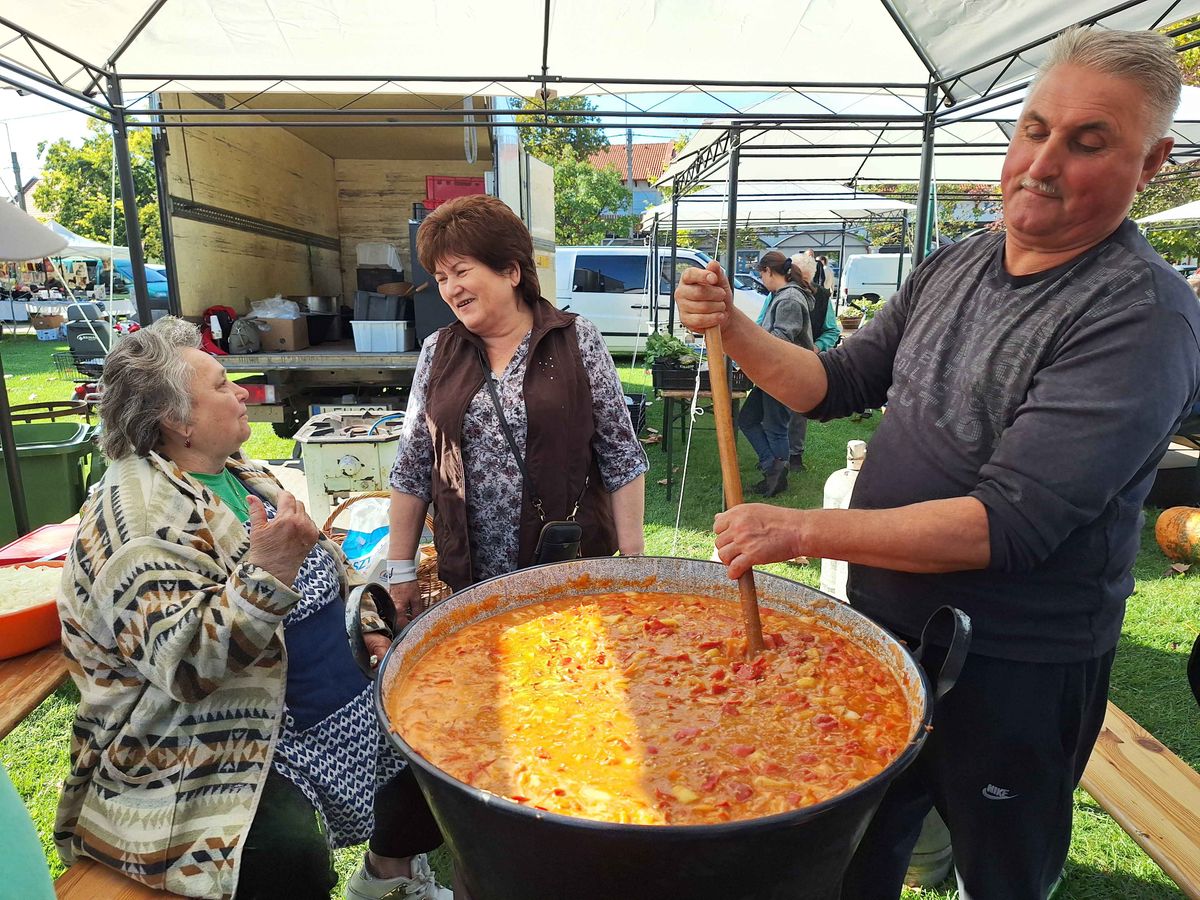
point(788, 316)
point(558, 447)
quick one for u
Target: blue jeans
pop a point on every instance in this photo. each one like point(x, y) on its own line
point(764, 421)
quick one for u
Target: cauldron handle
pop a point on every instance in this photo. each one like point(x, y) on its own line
point(354, 632)
point(956, 655)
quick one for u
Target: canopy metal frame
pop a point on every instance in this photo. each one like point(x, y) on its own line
point(105, 99)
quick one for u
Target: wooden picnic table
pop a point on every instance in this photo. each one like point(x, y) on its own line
point(25, 681)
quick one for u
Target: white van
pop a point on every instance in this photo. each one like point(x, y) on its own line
point(608, 286)
point(872, 276)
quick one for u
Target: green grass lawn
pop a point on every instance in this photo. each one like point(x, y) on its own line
point(1148, 681)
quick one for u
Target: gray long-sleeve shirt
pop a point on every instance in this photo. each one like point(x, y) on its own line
point(789, 316)
point(1048, 397)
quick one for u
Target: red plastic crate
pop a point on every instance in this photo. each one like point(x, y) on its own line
point(48, 541)
point(440, 188)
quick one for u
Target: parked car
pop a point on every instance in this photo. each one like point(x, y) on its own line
point(873, 276)
point(156, 279)
point(744, 282)
point(609, 286)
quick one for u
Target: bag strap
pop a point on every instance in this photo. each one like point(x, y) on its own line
point(535, 501)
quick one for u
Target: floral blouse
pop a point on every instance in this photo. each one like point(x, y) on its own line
point(494, 485)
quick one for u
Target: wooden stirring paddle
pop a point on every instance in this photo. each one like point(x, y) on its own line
point(731, 477)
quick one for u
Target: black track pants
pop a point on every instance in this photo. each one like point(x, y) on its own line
point(1009, 745)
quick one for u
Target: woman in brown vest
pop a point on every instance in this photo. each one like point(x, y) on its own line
point(516, 415)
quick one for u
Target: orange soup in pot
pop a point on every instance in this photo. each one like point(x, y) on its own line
point(643, 708)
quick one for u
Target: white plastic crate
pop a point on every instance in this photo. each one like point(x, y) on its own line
point(383, 337)
point(377, 254)
point(48, 334)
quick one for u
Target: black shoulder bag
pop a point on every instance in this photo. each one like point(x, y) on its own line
point(558, 541)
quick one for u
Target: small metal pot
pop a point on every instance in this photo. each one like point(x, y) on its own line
point(317, 304)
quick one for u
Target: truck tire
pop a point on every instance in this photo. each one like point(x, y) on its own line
point(293, 419)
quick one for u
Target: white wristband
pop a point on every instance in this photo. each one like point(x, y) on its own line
point(400, 571)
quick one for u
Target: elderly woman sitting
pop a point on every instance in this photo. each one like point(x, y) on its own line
point(222, 713)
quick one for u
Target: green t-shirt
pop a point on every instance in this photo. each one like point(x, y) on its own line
point(229, 489)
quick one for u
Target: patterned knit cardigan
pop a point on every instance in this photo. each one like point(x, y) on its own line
point(176, 644)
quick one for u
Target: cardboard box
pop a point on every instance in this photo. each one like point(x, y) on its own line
point(42, 322)
point(283, 334)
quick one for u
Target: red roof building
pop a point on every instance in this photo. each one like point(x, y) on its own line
point(649, 162)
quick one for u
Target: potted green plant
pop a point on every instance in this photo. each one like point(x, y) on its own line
point(672, 363)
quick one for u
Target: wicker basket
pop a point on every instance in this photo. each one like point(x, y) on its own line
point(432, 589)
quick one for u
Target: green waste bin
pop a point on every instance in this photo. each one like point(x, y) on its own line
point(55, 458)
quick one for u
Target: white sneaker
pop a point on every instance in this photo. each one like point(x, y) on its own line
point(420, 886)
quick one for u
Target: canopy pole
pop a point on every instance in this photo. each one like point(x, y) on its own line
point(735, 155)
point(674, 252)
point(133, 232)
point(12, 467)
point(837, 301)
point(924, 193)
point(903, 248)
point(654, 272)
point(174, 304)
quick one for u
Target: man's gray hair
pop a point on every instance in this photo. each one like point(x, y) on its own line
point(1146, 58)
point(146, 383)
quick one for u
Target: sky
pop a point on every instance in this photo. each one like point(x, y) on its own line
point(24, 123)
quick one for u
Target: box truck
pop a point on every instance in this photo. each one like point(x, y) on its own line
point(255, 212)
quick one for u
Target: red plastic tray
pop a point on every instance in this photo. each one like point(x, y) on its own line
point(49, 541)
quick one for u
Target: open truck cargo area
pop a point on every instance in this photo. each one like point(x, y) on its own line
point(265, 205)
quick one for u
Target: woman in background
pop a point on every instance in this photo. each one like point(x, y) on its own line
point(763, 419)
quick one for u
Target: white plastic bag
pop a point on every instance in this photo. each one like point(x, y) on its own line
point(366, 541)
point(275, 308)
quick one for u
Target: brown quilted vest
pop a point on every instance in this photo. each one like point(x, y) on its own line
point(558, 452)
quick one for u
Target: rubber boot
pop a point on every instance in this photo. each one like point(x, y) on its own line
point(761, 487)
point(776, 480)
point(796, 462)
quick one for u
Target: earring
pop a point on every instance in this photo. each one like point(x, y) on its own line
point(187, 442)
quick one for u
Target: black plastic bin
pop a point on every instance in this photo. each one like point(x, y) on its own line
point(636, 404)
point(683, 378)
point(370, 277)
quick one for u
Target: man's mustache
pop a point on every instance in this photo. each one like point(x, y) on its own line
point(1044, 187)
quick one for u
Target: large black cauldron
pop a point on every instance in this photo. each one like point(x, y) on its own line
point(505, 851)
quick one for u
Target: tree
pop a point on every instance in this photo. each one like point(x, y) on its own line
point(582, 195)
point(1173, 186)
point(550, 143)
point(76, 184)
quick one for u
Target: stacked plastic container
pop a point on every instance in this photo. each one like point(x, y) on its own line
point(383, 319)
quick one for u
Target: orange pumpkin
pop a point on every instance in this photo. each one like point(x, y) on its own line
point(1178, 533)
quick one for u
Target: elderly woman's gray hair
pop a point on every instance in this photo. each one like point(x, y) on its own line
point(1144, 57)
point(146, 382)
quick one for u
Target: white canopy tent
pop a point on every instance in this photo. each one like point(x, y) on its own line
point(763, 204)
point(568, 46)
point(22, 238)
point(1186, 212)
point(887, 145)
point(77, 245)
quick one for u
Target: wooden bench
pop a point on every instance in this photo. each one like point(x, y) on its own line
point(25, 681)
point(88, 880)
point(1151, 793)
